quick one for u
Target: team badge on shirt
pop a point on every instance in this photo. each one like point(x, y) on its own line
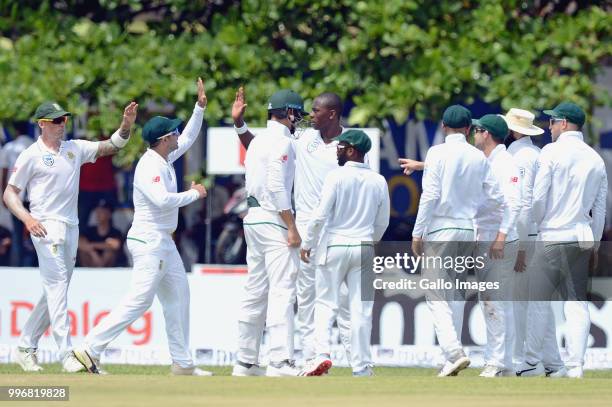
point(48, 160)
point(70, 155)
point(312, 146)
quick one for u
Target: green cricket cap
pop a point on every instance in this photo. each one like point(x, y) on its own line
point(286, 99)
point(158, 127)
point(494, 124)
point(457, 117)
point(568, 111)
point(357, 139)
point(50, 110)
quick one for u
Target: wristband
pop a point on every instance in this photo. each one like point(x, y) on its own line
point(241, 130)
point(118, 141)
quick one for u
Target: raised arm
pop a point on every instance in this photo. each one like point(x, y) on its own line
point(194, 125)
point(121, 137)
point(238, 109)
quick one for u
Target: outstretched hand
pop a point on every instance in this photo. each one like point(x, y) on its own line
point(239, 107)
point(129, 115)
point(202, 99)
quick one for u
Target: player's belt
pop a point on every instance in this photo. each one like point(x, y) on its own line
point(252, 202)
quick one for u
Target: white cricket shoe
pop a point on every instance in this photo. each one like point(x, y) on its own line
point(317, 366)
point(555, 373)
point(176, 370)
point(492, 371)
point(28, 360)
point(527, 369)
point(243, 370)
point(87, 360)
point(365, 372)
point(575, 372)
point(72, 365)
point(282, 369)
point(453, 367)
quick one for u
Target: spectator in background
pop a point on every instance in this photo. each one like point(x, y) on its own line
point(5, 246)
point(8, 155)
point(97, 183)
point(100, 245)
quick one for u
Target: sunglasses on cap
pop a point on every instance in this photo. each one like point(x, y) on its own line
point(57, 120)
point(553, 120)
point(174, 132)
point(479, 129)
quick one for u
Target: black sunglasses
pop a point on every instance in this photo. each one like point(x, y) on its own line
point(57, 120)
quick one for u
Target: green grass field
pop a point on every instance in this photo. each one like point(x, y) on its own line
point(152, 386)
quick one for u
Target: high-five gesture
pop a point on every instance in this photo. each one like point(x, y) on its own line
point(129, 115)
point(202, 100)
point(239, 107)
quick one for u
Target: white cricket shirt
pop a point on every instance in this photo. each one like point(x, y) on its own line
point(492, 217)
point(52, 179)
point(456, 179)
point(11, 150)
point(571, 182)
point(314, 160)
point(355, 205)
point(156, 202)
point(525, 155)
point(270, 167)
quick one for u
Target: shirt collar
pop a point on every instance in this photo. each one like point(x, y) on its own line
point(567, 135)
point(157, 156)
point(279, 128)
point(356, 164)
point(455, 137)
point(496, 150)
point(42, 146)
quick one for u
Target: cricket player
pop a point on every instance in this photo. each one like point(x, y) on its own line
point(497, 242)
point(445, 221)
point(272, 242)
point(569, 204)
point(355, 206)
point(525, 153)
point(158, 268)
point(315, 151)
point(49, 169)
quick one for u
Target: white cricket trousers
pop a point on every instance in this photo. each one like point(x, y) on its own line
point(270, 288)
point(521, 303)
point(447, 306)
point(56, 257)
point(496, 305)
point(562, 268)
point(306, 293)
point(158, 270)
point(343, 264)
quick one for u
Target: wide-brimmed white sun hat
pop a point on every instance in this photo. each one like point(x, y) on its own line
point(521, 121)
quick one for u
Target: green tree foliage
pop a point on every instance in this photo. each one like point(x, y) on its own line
point(391, 58)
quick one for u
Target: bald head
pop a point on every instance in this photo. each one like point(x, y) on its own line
point(331, 101)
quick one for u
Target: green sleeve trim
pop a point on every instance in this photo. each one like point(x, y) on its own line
point(136, 240)
point(440, 230)
point(265, 223)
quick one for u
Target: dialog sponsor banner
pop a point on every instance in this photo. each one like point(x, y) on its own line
point(402, 334)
